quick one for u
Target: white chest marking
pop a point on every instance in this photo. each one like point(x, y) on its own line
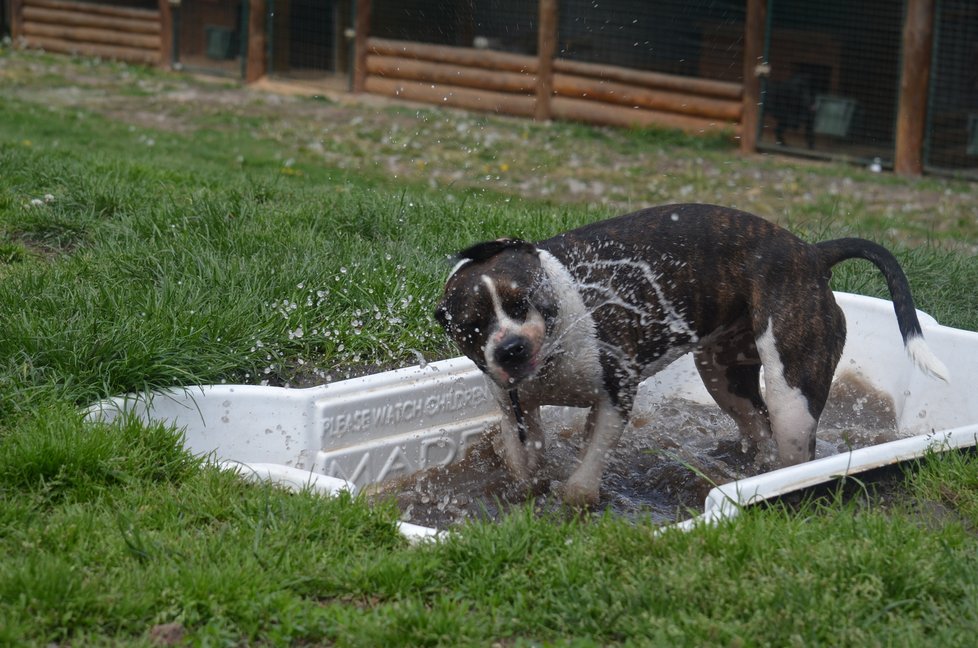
point(572, 346)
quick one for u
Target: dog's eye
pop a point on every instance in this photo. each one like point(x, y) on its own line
point(545, 303)
point(518, 310)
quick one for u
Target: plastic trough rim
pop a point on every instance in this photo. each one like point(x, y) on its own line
point(725, 502)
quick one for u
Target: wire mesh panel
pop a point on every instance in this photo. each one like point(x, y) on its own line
point(134, 4)
point(696, 38)
point(503, 25)
point(210, 36)
point(952, 142)
point(467, 54)
point(672, 63)
point(834, 77)
point(308, 38)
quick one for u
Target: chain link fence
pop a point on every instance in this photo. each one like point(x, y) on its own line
point(309, 39)
point(499, 25)
point(952, 116)
point(694, 38)
point(834, 78)
point(699, 38)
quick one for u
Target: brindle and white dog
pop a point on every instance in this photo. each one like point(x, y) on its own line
point(582, 318)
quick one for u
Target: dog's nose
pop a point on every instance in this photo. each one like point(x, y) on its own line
point(512, 352)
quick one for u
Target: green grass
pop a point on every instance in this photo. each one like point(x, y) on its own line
point(134, 258)
point(119, 532)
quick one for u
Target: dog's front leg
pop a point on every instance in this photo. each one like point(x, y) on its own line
point(521, 459)
point(605, 424)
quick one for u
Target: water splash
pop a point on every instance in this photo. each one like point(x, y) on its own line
point(670, 455)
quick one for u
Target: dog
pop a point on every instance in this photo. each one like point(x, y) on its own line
point(791, 104)
point(582, 318)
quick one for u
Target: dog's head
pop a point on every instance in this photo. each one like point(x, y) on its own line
point(498, 307)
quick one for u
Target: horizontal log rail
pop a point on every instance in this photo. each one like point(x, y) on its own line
point(101, 21)
point(392, 67)
point(453, 96)
point(95, 9)
point(656, 80)
point(487, 80)
point(582, 110)
point(59, 46)
point(93, 36)
point(598, 90)
point(464, 56)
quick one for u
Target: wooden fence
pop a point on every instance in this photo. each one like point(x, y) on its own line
point(543, 86)
point(88, 29)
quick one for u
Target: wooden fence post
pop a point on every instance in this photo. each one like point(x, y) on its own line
point(546, 50)
point(166, 33)
point(256, 66)
point(754, 26)
point(16, 19)
point(360, 49)
point(918, 38)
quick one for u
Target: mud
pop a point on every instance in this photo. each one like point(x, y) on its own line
point(670, 456)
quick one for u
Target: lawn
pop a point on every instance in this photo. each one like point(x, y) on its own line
point(158, 230)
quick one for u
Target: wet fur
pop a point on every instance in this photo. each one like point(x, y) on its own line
point(582, 318)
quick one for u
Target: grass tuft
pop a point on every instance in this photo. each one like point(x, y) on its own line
point(57, 456)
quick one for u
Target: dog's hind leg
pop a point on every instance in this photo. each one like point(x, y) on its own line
point(799, 360)
point(736, 389)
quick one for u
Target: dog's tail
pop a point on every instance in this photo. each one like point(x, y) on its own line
point(839, 250)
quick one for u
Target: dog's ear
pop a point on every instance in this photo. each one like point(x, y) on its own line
point(488, 249)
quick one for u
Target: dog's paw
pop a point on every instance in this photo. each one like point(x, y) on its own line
point(580, 495)
point(736, 452)
point(512, 457)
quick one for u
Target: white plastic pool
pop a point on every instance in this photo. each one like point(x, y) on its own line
point(356, 432)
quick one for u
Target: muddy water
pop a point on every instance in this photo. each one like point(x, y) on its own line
point(669, 457)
